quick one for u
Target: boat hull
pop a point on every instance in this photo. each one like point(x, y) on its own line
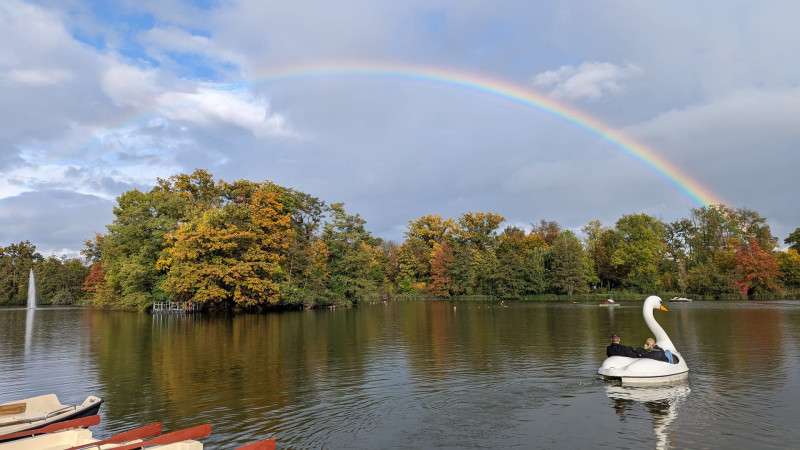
point(643, 371)
point(45, 410)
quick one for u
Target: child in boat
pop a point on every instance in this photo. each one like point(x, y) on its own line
point(652, 351)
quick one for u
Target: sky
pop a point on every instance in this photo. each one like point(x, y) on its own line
point(566, 111)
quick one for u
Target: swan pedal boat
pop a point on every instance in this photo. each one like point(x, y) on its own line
point(644, 371)
point(37, 412)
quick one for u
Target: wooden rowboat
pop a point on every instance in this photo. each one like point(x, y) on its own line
point(37, 412)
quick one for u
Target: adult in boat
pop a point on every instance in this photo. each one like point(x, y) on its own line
point(617, 349)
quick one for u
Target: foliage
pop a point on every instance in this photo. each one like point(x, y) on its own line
point(789, 268)
point(756, 270)
point(639, 250)
point(230, 255)
point(352, 258)
point(258, 245)
point(16, 261)
point(793, 240)
point(570, 267)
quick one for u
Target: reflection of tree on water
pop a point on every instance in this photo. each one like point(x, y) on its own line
point(662, 402)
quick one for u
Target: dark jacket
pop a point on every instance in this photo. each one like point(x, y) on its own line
point(656, 353)
point(621, 350)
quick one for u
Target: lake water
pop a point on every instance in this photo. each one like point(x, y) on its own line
point(419, 374)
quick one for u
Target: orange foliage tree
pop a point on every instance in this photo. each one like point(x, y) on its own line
point(756, 270)
point(231, 254)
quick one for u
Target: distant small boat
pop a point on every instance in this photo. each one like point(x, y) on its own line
point(609, 302)
point(37, 412)
point(680, 299)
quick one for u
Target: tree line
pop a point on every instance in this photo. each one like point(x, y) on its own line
point(257, 245)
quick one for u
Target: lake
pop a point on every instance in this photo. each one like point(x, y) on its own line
point(418, 374)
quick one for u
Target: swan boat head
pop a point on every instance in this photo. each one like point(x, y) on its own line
point(645, 370)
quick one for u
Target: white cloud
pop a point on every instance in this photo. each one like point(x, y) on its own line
point(207, 106)
point(129, 86)
point(172, 39)
point(589, 80)
point(38, 77)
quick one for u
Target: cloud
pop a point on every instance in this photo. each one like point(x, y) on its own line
point(53, 220)
point(590, 80)
point(207, 106)
point(38, 77)
point(130, 86)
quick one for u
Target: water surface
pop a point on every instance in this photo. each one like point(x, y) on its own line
point(418, 374)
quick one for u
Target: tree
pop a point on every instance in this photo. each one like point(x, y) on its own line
point(476, 238)
point(570, 268)
point(16, 261)
point(440, 272)
point(789, 268)
point(231, 255)
point(548, 230)
point(639, 251)
point(520, 264)
point(600, 244)
point(793, 240)
point(355, 272)
point(756, 270)
point(416, 251)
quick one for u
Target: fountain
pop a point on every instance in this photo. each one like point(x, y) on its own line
point(31, 291)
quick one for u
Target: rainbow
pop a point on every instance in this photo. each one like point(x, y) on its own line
point(507, 91)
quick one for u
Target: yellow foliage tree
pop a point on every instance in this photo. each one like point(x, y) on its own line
point(230, 254)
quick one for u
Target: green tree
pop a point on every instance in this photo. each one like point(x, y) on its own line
point(475, 235)
point(793, 240)
point(355, 272)
point(16, 261)
point(521, 264)
point(640, 251)
point(59, 280)
point(570, 267)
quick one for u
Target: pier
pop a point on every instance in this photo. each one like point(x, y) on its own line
point(175, 307)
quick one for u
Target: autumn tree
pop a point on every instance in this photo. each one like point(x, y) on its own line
point(547, 230)
point(756, 270)
point(789, 268)
point(231, 255)
point(416, 252)
point(440, 271)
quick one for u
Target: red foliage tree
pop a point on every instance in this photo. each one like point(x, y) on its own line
point(95, 278)
point(756, 270)
point(441, 277)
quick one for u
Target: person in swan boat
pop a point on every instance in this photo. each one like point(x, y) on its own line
point(652, 351)
point(617, 349)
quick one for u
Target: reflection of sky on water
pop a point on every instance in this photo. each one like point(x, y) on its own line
point(53, 357)
point(417, 373)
